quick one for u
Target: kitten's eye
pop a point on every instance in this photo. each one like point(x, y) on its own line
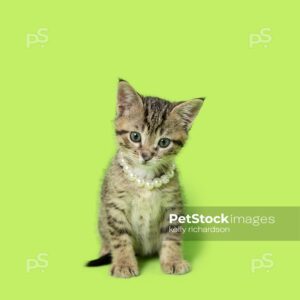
point(164, 142)
point(135, 136)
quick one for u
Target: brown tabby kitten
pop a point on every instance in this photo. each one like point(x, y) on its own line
point(141, 185)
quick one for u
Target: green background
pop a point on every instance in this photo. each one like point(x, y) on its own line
point(57, 107)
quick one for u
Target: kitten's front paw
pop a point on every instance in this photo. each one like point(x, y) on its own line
point(124, 270)
point(177, 267)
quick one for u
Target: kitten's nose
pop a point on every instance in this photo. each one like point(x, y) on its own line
point(146, 156)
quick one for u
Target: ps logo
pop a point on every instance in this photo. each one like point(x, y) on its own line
point(263, 37)
point(41, 38)
point(265, 262)
point(40, 262)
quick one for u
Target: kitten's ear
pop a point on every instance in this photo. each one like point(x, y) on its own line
point(187, 111)
point(128, 99)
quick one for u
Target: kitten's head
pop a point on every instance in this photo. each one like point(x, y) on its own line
point(151, 131)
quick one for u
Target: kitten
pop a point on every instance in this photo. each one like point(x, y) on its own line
point(141, 185)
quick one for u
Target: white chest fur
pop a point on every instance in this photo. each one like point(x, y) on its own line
point(145, 218)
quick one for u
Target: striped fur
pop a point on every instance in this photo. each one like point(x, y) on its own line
point(133, 220)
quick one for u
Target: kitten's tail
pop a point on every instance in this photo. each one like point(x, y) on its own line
point(101, 261)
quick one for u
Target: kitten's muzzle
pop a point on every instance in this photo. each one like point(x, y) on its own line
point(146, 156)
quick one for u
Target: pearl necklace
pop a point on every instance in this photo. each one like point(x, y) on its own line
point(149, 184)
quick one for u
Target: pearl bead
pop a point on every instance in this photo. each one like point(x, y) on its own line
point(164, 179)
point(171, 174)
point(157, 182)
point(131, 176)
point(149, 185)
point(140, 182)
